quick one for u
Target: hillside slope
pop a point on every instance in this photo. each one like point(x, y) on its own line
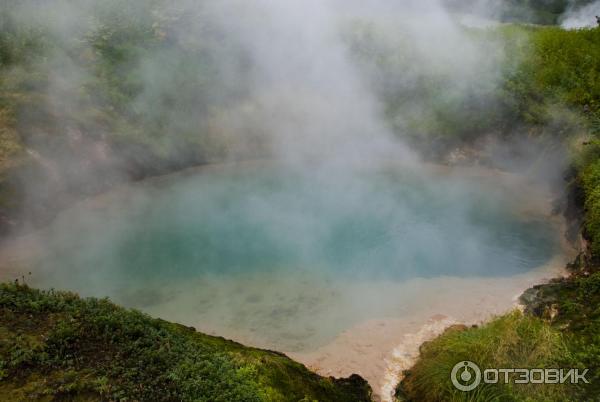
point(57, 346)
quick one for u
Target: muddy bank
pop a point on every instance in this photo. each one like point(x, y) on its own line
point(379, 350)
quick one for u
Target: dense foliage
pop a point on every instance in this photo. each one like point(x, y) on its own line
point(104, 92)
point(56, 346)
point(522, 80)
point(559, 68)
point(511, 341)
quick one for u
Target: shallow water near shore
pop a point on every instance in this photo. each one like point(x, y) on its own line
point(333, 269)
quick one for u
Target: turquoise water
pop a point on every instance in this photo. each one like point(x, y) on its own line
point(382, 225)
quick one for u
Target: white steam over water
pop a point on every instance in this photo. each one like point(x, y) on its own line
point(334, 272)
point(307, 98)
point(581, 17)
point(329, 238)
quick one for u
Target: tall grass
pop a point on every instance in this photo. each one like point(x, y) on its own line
point(511, 341)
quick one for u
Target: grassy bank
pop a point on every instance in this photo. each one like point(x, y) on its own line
point(57, 346)
point(513, 340)
point(558, 330)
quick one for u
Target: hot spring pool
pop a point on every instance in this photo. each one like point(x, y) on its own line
point(290, 260)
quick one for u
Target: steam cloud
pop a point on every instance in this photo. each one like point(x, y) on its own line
point(581, 16)
point(236, 80)
point(328, 91)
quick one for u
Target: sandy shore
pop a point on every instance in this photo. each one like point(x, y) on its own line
point(379, 350)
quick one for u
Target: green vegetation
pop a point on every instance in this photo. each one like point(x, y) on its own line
point(104, 92)
point(558, 68)
point(137, 79)
point(56, 346)
point(533, 80)
point(555, 89)
point(105, 77)
point(588, 181)
point(513, 340)
point(561, 328)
